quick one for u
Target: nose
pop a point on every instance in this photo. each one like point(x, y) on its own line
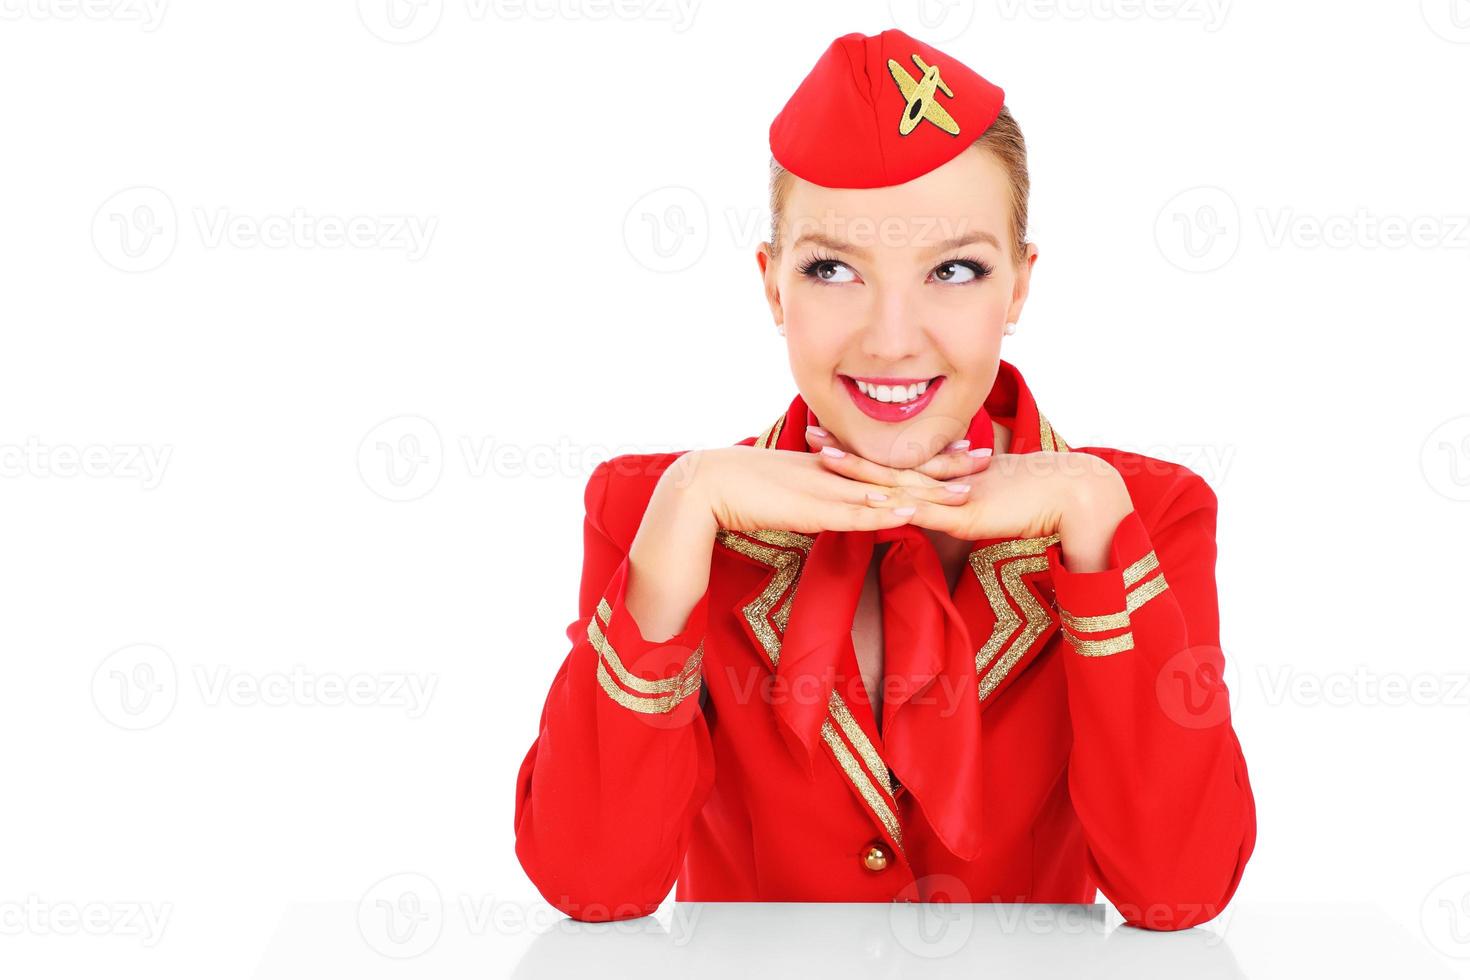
point(892, 331)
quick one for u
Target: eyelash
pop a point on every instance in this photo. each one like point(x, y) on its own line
point(809, 268)
point(981, 269)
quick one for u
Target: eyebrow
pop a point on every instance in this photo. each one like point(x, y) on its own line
point(958, 241)
point(827, 241)
point(961, 240)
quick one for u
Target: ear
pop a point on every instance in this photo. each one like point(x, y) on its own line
point(768, 264)
point(1023, 283)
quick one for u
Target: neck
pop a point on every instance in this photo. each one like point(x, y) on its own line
point(1002, 438)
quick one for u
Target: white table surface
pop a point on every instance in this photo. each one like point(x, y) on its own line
point(434, 934)
point(848, 941)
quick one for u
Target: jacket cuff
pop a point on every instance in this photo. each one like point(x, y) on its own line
point(646, 677)
point(1096, 607)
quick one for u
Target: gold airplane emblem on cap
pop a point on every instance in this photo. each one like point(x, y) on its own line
point(919, 95)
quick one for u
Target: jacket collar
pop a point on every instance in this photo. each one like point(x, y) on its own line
point(801, 634)
point(1010, 403)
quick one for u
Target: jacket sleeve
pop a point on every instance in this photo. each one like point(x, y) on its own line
point(1156, 773)
point(607, 795)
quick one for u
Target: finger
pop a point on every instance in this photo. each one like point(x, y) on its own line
point(859, 518)
point(835, 486)
point(948, 494)
point(856, 467)
point(818, 437)
point(948, 466)
point(897, 498)
point(954, 521)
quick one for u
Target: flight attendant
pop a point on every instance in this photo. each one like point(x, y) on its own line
point(901, 642)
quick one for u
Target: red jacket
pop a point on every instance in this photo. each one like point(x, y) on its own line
point(1107, 761)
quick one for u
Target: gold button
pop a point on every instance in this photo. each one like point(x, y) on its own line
point(875, 859)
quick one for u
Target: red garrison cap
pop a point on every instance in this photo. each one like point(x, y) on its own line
point(881, 109)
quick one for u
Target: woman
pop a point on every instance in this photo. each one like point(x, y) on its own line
point(903, 644)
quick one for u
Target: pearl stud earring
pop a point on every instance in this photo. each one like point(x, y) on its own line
point(1010, 327)
point(781, 329)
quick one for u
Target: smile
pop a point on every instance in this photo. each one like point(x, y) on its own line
point(891, 399)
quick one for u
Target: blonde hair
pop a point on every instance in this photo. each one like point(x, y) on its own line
point(1003, 140)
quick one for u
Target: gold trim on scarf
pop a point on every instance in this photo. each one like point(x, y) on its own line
point(784, 553)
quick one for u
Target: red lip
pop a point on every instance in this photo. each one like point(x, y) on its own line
point(905, 382)
point(888, 411)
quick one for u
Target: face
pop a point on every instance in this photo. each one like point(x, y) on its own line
point(909, 287)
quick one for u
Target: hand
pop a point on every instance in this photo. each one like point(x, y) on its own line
point(944, 480)
point(741, 488)
point(951, 464)
point(1022, 495)
point(747, 489)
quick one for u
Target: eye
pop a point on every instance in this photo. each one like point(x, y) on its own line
point(825, 269)
point(961, 271)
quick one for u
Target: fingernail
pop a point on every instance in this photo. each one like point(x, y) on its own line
point(957, 487)
point(874, 495)
point(904, 511)
point(980, 453)
point(818, 432)
point(833, 451)
point(957, 445)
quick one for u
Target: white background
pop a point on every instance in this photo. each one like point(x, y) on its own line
point(246, 454)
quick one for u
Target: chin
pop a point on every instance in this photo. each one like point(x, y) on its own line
point(901, 447)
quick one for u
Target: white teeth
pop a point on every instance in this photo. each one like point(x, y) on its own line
point(893, 393)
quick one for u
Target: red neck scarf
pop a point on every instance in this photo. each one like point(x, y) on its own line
point(931, 713)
